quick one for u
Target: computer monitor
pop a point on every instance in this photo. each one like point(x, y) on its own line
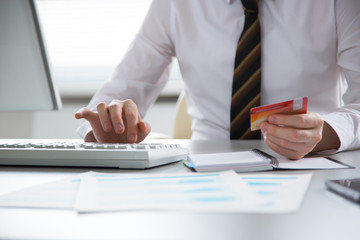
point(26, 83)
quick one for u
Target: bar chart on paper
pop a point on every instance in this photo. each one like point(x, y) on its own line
point(280, 193)
point(212, 192)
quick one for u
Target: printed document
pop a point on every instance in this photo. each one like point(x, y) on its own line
point(212, 192)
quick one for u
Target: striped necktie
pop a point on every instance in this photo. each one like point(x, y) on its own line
point(247, 75)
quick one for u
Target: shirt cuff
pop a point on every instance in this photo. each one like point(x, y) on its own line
point(343, 129)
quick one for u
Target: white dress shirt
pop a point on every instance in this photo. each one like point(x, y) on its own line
point(309, 48)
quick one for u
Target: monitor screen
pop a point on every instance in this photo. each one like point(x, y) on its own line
point(25, 75)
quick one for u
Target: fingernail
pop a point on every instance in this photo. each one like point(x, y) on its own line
point(79, 113)
point(272, 119)
point(131, 138)
point(118, 127)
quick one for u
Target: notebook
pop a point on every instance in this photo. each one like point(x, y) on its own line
point(256, 160)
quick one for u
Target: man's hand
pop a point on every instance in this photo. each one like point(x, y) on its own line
point(118, 122)
point(294, 136)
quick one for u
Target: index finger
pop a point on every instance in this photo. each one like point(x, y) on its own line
point(116, 112)
point(132, 117)
point(303, 121)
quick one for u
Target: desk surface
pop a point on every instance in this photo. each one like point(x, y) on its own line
point(323, 215)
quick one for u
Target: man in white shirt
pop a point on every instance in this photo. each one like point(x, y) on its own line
point(309, 48)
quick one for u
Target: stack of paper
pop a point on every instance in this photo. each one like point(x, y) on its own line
point(246, 161)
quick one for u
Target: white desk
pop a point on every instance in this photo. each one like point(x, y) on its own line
point(323, 215)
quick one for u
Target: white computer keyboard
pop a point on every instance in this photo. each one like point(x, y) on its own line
point(78, 154)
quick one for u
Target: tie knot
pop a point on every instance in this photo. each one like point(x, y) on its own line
point(250, 6)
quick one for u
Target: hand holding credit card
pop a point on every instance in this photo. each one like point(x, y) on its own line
point(261, 113)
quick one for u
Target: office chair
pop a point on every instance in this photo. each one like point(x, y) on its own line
point(182, 123)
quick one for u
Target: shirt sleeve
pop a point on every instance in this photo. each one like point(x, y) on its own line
point(346, 120)
point(144, 70)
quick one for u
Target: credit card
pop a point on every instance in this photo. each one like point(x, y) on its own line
point(261, 113)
